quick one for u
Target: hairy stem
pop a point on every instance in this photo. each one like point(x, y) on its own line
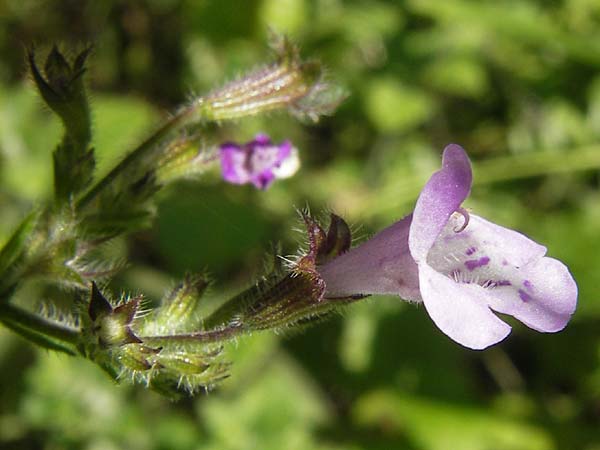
point(38, 339)
point(10, 314)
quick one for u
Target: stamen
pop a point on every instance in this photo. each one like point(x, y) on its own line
point(456, 275)
point(462, 211)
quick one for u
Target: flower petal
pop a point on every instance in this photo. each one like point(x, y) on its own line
point(483, 249)
point(545, 300)
point(460, 310)
point(521, 282)
point(441, 196)
point(289, 165)
point(381, 265)
point(258, 162)
point(233, 160)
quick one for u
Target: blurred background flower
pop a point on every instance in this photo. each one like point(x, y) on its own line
point(514, 82)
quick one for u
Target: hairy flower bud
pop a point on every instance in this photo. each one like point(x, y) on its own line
point(63, 91)
point(182, 158)
point(112, 326)
point(184, 363)
point(288, 83)
point(178, 310)
point(136, 357)
point(297, 297)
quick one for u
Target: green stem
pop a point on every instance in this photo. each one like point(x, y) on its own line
point(24, 319)
point(137, 154)
point(38, 339)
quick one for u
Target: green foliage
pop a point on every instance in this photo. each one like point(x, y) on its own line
point(420, 417)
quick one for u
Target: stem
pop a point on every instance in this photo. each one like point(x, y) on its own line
point(138, 153)
point(38, 339)
point(24, 319)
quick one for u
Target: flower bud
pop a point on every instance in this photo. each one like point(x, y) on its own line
point(182, 158)
point(184, 363)
point(63, 91)
point(177, 312)
point(136, 357)
point(288, 83)
point(112, 326)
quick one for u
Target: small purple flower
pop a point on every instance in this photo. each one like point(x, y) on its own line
point(461, 267)
point(258, 162)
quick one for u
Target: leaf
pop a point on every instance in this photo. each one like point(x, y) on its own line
point(14, 247)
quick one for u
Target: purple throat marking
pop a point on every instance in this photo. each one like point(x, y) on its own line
point(470, 251)
point(473, 264)
point(524, 295)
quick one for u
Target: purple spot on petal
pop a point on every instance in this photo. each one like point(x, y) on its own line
point(462, 235)
point(528, 285)
point(504, 262)
point(470, 251)
point(473, 264)
point(524, 295)
point(494, 283)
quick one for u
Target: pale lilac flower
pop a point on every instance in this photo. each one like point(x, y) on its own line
point(258, 162)
point(460, 266)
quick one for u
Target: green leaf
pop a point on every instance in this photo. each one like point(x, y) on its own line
point(14, 246)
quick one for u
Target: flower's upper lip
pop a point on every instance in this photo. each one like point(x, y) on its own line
point(442, 195)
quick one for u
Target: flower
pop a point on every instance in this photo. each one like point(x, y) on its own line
point(258, 162)
point(460, 266)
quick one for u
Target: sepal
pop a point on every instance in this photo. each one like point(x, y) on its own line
point(325, 245)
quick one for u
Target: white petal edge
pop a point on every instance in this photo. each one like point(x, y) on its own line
point(460, 310)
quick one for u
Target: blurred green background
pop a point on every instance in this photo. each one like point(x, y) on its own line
point(517, 83)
